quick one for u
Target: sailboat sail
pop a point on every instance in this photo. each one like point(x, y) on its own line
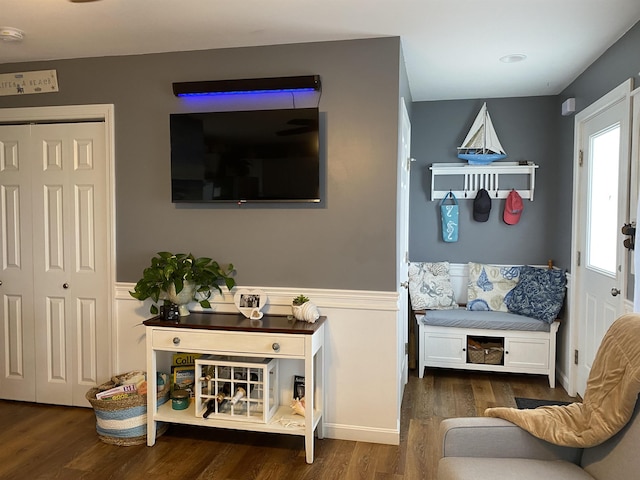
point(481, 145)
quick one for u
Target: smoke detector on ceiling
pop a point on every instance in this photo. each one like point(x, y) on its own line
point(10, 34)
point(513, 58)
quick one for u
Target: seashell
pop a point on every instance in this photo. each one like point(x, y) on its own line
point(307, 312)
point(297, 405)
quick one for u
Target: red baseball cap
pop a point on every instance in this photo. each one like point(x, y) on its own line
point(513, 208)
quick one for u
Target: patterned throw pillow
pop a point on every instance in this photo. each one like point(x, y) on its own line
point(430, 286)
point(490, 285)
point(539, 293)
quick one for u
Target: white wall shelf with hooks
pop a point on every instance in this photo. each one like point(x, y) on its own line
point(471, 178)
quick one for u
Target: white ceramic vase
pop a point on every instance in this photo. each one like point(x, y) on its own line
point(307, 312)
point(183, 298)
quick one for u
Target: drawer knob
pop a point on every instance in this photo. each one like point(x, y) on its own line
point(176, 340)
point(276, 347)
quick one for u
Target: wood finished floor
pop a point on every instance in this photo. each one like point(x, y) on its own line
point(53, 442)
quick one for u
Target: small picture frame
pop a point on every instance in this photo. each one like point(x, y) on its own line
point(250, 302)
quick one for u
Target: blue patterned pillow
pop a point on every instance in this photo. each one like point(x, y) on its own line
point(490, 285)
point(539, 293)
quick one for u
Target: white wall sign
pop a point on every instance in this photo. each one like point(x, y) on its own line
point(42, 81)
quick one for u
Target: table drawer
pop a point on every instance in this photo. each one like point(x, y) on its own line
point(266, 344)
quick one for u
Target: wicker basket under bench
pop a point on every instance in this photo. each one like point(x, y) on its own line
point(509, 343)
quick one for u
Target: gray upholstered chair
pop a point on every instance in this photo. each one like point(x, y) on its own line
point(481, 448)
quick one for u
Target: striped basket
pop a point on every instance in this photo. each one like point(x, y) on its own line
point(124, 422)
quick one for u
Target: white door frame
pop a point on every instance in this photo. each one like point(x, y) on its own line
point(74, 113)
point(618, 94)
point(634, 191)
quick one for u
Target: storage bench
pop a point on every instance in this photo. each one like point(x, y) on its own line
point(526, 350)
point(527, 345)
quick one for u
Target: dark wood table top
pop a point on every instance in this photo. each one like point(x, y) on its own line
point(238, 322)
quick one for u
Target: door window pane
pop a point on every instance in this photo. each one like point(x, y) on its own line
point(603, 200)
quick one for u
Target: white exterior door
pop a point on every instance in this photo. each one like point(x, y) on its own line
point(602, 133)
point(56, 330)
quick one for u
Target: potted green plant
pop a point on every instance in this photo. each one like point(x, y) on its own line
point(300, 300)
point(181, 278)
point(303, 309)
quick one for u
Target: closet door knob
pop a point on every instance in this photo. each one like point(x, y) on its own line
point(65, 285)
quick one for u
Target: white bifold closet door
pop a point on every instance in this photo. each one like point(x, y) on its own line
point(54, 290)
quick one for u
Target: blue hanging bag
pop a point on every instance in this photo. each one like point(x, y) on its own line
point(449, 214)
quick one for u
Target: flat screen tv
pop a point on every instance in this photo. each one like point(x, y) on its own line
point(245, 156)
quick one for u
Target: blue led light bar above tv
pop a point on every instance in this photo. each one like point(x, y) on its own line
point(304, 83)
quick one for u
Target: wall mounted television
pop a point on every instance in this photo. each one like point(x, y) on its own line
point(245, 156)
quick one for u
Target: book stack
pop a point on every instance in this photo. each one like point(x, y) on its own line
point(183, 371)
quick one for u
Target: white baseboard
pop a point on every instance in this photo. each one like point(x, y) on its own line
point(362, 434)
point(563, 380)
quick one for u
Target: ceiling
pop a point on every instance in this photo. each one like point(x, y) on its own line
point(451, 47)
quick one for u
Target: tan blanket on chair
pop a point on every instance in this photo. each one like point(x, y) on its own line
point(612, 391)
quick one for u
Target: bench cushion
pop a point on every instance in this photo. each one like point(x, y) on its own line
point(462, 318)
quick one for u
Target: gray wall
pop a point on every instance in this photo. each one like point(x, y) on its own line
point(526, 128)
point(346, 242)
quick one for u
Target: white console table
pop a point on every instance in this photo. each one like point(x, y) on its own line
point(234, 335)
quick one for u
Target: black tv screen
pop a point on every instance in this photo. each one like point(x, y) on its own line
point(245, 156)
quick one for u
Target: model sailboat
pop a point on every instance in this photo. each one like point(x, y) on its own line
point(481, 145)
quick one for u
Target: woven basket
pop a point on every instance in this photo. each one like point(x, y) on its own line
point(123, 422)
point(486, 353)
